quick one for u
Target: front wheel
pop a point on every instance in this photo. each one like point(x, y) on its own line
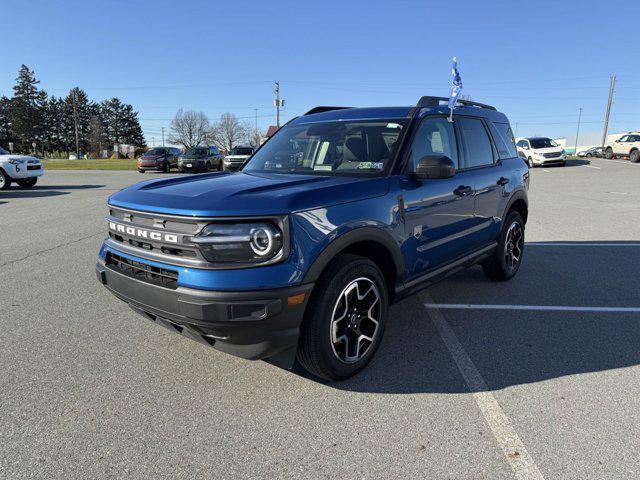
point(608, 153)
point(27, 182)
point(530, 162)
point(634, 156)
point(345, 319)
point(5, 180)
point(207, 167)
point(506, 261)
point(141, 170)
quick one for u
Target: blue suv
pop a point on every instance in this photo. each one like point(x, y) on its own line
point(341, 213)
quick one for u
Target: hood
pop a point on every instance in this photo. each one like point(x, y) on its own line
point(547, 150)
point(24, 158)
point(245, 194)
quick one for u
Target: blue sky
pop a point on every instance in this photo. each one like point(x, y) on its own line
point(536, 61)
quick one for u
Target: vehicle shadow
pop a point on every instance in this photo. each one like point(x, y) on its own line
point(511, 347)
point(43, 191)
point(577, 163)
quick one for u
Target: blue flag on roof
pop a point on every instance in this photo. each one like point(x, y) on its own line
point(456, 87)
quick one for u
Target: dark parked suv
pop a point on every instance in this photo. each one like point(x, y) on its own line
point(341, 213)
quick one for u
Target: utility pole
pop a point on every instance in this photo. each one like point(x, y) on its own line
point(606, 118)
point(278, 103)
point(75, 121)
point(257, 139)
point(163, 136)
point(153, 141)
point(515, 135)
point(575, 151)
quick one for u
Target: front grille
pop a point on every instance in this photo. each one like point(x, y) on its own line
point(163, 277)
point(33, 167)
point(552, 155)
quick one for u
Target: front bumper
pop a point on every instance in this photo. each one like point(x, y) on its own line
point(253, 325)
point(550, 161)
point(25, 170)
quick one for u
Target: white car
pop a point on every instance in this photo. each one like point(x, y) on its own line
point(625, 146)
point(540, 151)
point(22, 169)
point(236, 158)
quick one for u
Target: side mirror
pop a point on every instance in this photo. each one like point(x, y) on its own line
point(434, 167)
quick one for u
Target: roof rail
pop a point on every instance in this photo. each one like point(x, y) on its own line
point(427, 101)
point(324, 109)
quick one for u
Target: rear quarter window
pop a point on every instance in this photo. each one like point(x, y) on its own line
point(504, 140)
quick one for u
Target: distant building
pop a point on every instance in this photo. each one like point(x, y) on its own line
point(586, 140)
point(270, 131)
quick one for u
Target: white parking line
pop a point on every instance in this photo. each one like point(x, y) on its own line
point(514, 450)
point(617, 161)
point(545, 308)
point(591, 166)
point(578, 244)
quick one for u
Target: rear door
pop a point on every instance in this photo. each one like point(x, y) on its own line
point(491, 175)
point(438, 212)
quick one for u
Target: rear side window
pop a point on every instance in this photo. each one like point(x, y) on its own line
point(503, 137)
point(478, 150)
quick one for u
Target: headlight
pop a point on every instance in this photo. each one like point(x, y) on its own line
point(16, 161)
point(252, 243)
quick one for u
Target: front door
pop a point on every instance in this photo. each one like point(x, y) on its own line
point(439, 213)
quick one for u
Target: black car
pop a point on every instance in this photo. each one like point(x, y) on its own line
point(200, 159)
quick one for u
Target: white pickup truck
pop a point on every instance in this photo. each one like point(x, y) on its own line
point(22, 169)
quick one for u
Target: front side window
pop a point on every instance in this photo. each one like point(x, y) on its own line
point(434, 137)
point(477, 146)
point(624, 138)
point(241, 151)
point(155, 151)
point(543, 143)
point(354, 147)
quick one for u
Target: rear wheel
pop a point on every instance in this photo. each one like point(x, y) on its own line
point(345, 319)
point(27, 182)
point(506, 260)
point(608, 153)
point(634, 156)
point(5, 180)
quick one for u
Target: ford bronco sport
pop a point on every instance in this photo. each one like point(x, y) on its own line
point(341, 213)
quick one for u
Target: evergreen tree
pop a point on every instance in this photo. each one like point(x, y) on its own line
point(5, 122)
point(26, 109)
point(132, 130)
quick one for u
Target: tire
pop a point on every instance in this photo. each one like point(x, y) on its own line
point(346, 278)
point(166, 168)
point(634, 156)
point(608, 153)
point(589, 155)
point(220, 166)
point(5, 180)
point(207, 167)
point(140, 170)
point(500, 267)
point(530, 162)
point(27, 182)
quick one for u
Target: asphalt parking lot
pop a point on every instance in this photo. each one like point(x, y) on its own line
point(535, 378)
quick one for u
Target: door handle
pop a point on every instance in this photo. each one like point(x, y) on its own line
point(463, 190)
point(503, 181)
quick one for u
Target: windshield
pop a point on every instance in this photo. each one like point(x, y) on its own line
point(330, 148)
point(3, 151)
point(542, 143)
point(241, 151)
point(154, 151)
point(196, 152)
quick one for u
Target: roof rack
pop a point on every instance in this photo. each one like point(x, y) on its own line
point(324, 109)
point(427, 101)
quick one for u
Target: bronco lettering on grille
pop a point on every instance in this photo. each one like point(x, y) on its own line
point(143, 233)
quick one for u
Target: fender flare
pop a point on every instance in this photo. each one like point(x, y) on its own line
point(517, 195)
point(350, 238)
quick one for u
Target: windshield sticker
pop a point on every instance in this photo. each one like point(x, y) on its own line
point(371, 165)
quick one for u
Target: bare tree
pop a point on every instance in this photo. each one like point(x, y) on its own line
point(189, 128)
point(252, 136)
point(227, 132)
